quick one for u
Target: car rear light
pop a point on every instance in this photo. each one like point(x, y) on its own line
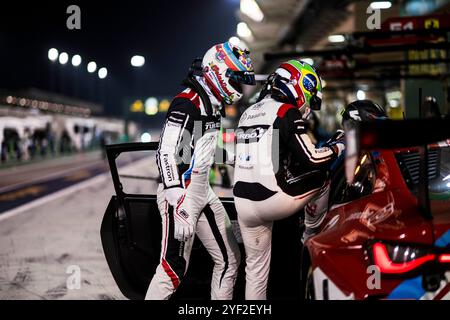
point(397, 259)
point(444, 258)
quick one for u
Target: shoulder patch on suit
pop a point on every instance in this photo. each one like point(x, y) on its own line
point(283, 109)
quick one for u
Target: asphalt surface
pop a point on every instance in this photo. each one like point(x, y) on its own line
point(31, 182)
point(41, 246)
point(49, 234)
point(12, 177)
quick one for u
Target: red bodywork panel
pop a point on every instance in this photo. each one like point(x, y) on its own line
point(391, 214)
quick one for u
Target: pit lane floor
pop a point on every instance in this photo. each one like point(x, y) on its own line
point(39, 245)
point(41, 242)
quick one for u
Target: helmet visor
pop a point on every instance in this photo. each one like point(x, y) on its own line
point(241, 77)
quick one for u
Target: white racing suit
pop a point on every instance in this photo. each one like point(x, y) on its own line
point(188, 128)
point(278, 171)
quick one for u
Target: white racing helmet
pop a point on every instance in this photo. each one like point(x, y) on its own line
point(225, 68)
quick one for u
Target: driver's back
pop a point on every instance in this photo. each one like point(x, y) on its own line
point(257, 151)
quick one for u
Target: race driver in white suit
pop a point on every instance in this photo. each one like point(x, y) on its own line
point(185, 199)
point(278, 169)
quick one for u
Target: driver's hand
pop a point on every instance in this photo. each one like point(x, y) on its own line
point(184, 224)
point(173, 195)
point(337, 142)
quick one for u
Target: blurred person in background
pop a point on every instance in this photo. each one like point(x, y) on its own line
point(26, 144)
point(278, 169)
point(65, 143)
point(185, 198)
point(103, 144)
point(50, 138)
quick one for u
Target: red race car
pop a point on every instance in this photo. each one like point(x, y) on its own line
point(387, 234)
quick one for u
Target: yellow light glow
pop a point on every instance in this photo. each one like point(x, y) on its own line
point(164, 105)
point(137, 106)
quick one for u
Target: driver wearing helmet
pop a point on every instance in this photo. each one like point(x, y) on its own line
point(278, 169)
point(316, 210)
point(186, 202)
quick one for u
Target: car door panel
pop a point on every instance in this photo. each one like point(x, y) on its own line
point(131, 234)
point(131, 226)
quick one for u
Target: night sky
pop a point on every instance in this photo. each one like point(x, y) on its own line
point(168, 33)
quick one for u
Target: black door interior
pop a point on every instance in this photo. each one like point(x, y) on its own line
point(131, 229)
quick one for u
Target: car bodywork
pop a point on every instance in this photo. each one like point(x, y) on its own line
point(352, 256)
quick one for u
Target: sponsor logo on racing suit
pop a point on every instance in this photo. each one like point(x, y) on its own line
point(167, 167)
point(251, 134)
point(212, 125)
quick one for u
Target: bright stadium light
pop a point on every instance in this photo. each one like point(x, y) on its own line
point(381, 5)
point(53, 54)
point(243, 30)
point(91, 67)
point(251, 9)
point(63, 58)
point(360, 95)
point(335, 38)
point(76, 60)
point(137, 61)
point(151, 106)
point(235, 41)
point(146, 137)
point(102, 73)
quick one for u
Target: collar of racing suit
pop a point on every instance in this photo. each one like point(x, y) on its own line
point(305, 111)
point(214, 102)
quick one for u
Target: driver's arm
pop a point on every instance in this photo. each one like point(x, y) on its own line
point(293, 133)
point(175, 136)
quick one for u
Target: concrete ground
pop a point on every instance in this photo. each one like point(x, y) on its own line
point(22, 174)
point(40, 245)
